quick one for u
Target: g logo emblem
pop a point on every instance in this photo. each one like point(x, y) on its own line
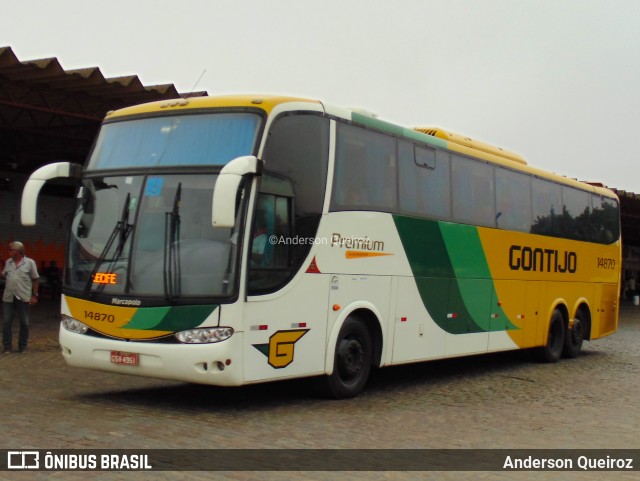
point(281, 346)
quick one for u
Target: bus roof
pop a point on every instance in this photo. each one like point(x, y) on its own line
point(435, 136)
point(472, 143)
point(264, 102)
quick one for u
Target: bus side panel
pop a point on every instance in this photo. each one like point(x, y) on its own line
point(533, 317)
point(604, 315)
point(505, 314)
point(416, 336)
point(556, 272)
point(285, 332)
point(468, 318)
point(523, 306)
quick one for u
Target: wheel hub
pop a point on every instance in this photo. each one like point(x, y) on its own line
point(351, 357)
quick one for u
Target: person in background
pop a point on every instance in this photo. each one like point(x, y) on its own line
point(631, 286)
point(53, 276)
point(20, 292)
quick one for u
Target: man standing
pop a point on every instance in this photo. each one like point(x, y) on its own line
point(21, 290)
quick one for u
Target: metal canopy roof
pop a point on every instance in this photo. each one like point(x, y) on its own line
point(48, 113)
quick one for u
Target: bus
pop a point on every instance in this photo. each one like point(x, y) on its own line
point(239, 239)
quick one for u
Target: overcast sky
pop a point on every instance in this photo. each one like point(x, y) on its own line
point(555, 80)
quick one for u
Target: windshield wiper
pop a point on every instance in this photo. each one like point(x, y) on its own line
point(233, 245)
point(171, 265)
point(122, 228)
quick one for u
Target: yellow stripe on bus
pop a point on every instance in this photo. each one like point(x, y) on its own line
point(361, 254)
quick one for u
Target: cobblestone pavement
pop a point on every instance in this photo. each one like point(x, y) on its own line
point(493, 401)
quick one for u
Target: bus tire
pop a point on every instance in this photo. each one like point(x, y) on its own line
point(574, 337)
point(552, 350)
point(352, 360)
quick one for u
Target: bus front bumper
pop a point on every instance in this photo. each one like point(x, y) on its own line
point(217, 364)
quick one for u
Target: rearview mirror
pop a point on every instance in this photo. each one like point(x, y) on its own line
point(32, 188)
point(223, 209)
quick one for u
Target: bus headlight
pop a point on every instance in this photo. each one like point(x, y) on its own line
point(204, 335)
point(74, 325)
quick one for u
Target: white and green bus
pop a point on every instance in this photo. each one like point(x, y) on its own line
point(231, 240)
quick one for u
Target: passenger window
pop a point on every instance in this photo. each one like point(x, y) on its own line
point(425, 157)
point(575, 214)
point(424, 181)
point(473, 191)
point(547, 207)
point(513, 200)
point(365, 171)
point(604, 217)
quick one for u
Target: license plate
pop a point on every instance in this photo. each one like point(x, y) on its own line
point(125, 358)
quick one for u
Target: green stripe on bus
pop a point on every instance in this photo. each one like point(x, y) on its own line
point(177, 318)
point(473, 274)
point(451, 274)
point(147, 318)
point(381, 125)
point(377, 124)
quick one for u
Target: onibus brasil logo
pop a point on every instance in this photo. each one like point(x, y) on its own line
point(279, 350)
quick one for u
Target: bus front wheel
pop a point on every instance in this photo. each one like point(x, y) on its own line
point(552, 350)
point(352, 360)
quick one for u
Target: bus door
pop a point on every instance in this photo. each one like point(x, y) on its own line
point(285, 312)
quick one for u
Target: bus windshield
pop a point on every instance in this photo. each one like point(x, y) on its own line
point(150, 235)
point(177, 140)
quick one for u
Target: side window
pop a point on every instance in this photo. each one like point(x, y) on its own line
point(290, 200)
point(473, 191)
point(604, 217)
point(424, 181)
point(513, 200)
point(576, 222)
point(571, 213)
point(365, 171)
point(546, 199)
point(270, 248)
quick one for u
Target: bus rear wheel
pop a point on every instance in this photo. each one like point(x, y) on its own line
point(352, 360)
point(552, 350)
point(574, 336)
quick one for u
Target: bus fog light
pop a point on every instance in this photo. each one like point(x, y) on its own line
point(74, 325)
point(204, 335)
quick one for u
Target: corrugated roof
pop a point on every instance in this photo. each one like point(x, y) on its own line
point(48, 113)
point(89, 81)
